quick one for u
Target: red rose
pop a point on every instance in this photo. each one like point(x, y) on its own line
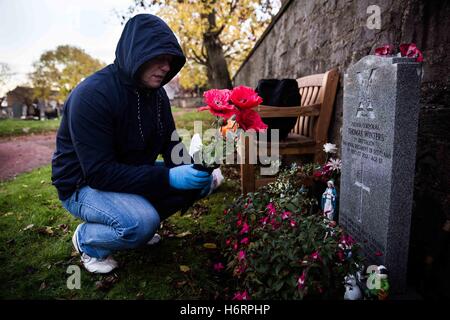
point(245, 98)
point(385, 50)
point(218, 103)
point(250, 119)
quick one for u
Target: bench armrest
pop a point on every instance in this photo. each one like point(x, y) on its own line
point(278, 112)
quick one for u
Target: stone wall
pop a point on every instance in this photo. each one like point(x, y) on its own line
point(312, 36)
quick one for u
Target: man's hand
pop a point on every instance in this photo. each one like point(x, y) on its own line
point(186, 177)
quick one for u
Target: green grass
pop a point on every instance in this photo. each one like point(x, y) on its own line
point(16, 127)
point(185, 119)
point(36, 250)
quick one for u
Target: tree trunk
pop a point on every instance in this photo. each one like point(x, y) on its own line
point(217, 69)
point(216, 65)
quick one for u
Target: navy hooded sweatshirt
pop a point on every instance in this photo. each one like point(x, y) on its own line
point(99, 142)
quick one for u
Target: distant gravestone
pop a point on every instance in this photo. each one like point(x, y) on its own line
point(381, 108)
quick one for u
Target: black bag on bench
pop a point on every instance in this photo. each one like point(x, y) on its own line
point(279, 93)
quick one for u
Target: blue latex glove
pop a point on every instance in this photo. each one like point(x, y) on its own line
point(186, 177)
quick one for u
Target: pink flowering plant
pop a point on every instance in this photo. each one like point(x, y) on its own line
point(278, 248)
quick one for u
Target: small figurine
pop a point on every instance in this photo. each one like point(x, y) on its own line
point(329, 200)
point(378, 283)
point(352, 290)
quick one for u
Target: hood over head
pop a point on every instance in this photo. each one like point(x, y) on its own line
point(145, 37)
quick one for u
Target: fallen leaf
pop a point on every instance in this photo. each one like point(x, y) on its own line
point(45, 231)
point(28, 227)
point(43, 286)
point(179, 284)
point(140, 295)
point(64, 227)
point(183, 234)
point(26, 129)
point(8, 214)
point(184, 268)
point(106, 283)
point(209, 245)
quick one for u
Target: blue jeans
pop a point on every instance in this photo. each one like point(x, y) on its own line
point(116, 221)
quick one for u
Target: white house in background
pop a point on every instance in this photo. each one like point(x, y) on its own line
point(173, 87)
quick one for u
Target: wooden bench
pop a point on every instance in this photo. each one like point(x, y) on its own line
point(310, 132)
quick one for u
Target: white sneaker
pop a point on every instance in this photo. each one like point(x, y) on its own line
point(156, 238)
point(98, 265)
point(93, 264)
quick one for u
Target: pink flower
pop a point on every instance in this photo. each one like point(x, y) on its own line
point(245, 97)
point(264, 220)
point(250, 119)
point(378, 253)
point(347, 240)
point(218, 266)
point(228, 241)
point(218, 103)
point(235, 246)
point(301, 281)
point(245, 228)
point(241, 296)
point(245, 295)
point(315, 255)
point(245, 240)
point(237, 296)
point(241, 269)
point(275, 224)
point(271, 208)
point(285, 215)
point(293, 223)
point(341, 255)
point(241, 255)
point(225, 212)
point(385, 50)
point(410, 50)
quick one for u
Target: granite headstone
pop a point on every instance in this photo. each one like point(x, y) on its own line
point(381, 108)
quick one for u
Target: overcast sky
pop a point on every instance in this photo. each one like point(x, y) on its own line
point(30, 27)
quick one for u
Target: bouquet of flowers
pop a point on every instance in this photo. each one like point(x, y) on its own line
point(332, 168)
point(234, 113)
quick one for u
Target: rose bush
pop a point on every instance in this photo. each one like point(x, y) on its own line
point(278, 248)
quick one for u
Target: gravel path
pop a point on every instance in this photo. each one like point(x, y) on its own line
point(25, 153)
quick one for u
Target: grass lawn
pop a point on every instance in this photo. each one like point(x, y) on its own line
point(16, 127)
point(36, 248)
